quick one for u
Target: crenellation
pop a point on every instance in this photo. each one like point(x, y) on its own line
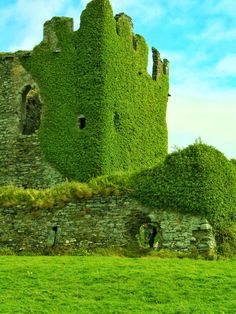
point(141, 49)
point(159, 67)
point(166, 66)
point(124, 25)
point(53, 28)
point(126, 17)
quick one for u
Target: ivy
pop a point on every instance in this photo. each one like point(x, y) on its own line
point(99, 73)
point(198, 179)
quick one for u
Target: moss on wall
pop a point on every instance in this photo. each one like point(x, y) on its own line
point(99, 73)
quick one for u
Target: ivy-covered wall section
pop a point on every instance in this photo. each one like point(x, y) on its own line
point(102, 111)
point(199, 180)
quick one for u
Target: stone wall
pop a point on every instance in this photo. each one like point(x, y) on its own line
point(184, 232)
point(21, 159)
point(101, 222)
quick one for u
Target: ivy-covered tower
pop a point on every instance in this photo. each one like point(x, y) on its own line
point(87, 99)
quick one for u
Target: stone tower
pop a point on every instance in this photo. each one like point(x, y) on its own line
point(82, 103)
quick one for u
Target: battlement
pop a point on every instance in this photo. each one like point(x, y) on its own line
point(54, 28)
point(123, 23)
point(160, 66)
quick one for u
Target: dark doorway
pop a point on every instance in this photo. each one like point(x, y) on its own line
point(153, 233)
point(147, 235)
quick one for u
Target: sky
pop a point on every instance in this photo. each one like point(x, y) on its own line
point(198, 37)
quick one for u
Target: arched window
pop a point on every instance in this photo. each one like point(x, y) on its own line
point(31, 110)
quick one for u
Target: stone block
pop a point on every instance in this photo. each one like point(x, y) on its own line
point(206, 226)
point(203, 246)
point(196, 227)
point(180, 245)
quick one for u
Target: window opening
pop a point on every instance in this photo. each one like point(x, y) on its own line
point(55, 229)
point(31, 110)
point(82, 122)
point(116, 119)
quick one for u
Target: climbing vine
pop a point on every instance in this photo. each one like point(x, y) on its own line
point(199, 180)
point(99, 73)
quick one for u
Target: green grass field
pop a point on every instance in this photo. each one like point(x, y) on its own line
point(67, 284)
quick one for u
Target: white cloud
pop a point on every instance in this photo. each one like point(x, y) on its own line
point(29, 17)
point(197, 107)
point(140, 8)
point(84, 2)
point(174, 56)
point(227, 7)
point(227, 66)
point(216, 30)
point(146, 13)
point(207, 114)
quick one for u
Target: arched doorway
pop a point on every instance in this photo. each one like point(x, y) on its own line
point(149, 235)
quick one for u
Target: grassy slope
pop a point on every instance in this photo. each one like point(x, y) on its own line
point(115, 285)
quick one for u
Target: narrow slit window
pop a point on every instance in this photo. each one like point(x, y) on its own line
point(55, 229)
point(82, 122)
point(116, 119)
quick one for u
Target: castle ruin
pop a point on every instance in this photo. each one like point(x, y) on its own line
point(82, 103)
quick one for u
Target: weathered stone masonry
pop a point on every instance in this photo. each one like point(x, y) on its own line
point(93, 117)
point(21, 159)
point(101, 222)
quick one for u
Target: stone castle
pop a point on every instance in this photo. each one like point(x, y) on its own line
point(80, 105)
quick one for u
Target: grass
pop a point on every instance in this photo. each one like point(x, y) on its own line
point(59, 195)
point(116, 285)
point(55, 197)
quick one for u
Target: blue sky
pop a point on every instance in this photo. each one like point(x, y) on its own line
point(197, 36)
